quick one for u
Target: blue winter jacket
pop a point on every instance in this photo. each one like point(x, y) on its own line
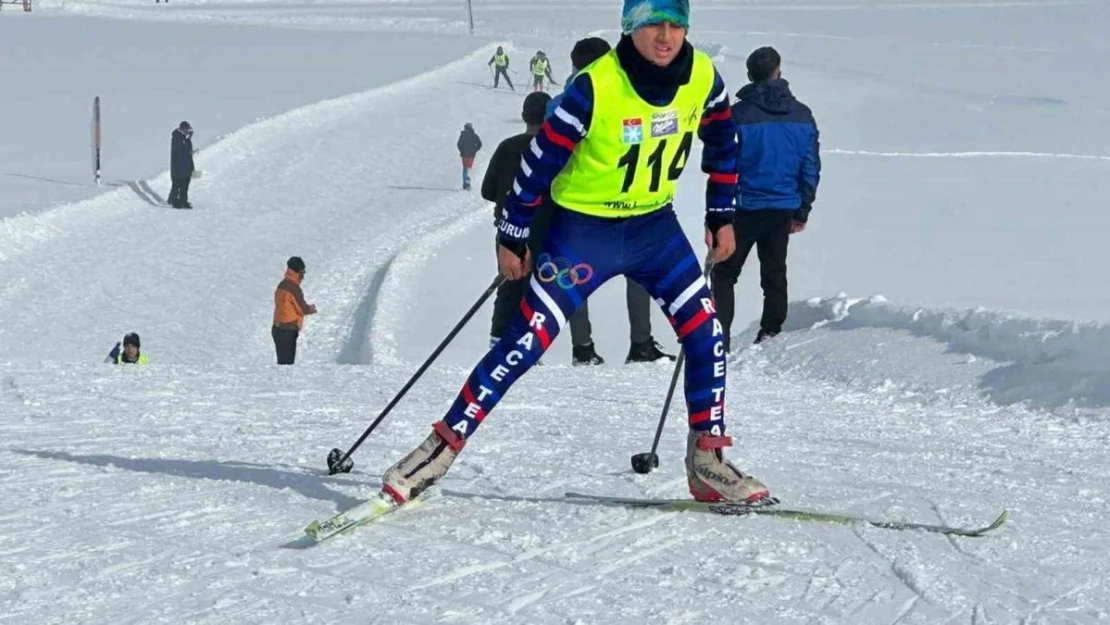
point(778, 150)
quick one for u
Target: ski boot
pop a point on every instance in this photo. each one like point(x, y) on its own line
point(648, 351)
point(424, 466)
point(585, 355)
point(712, 478)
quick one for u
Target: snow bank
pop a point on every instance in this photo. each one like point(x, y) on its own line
point(1044, 363)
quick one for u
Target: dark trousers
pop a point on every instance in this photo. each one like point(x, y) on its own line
point(285, 343)
point(769, 232)
point(497, 78)
point(179, 193)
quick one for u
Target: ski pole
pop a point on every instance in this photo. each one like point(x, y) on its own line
point(339, 462)
point(645, 462)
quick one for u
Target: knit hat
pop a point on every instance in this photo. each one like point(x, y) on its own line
point(640, 13)
point(132, 339)
point(295, 263)
point(535, 108)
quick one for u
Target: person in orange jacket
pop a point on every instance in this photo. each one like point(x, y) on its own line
point(290, 309)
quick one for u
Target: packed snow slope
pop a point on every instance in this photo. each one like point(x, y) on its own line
point(964, 161)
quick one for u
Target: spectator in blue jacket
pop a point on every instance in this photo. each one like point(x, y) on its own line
point(779, 165)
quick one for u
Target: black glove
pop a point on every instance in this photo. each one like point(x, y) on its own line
point(802, 214)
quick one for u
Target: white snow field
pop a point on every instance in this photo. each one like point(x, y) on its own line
point(965, 163)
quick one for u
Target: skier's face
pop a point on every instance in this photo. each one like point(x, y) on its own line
point(659, 43)
point(130, 352)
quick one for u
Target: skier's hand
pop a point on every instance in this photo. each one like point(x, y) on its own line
point(725, 242)
point(312, 309)
point(510, 265)
point(797, 226)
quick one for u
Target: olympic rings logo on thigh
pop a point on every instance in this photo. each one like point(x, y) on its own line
point(562, 272)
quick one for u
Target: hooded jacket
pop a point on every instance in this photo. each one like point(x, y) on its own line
point(468, 143)
point(181, 154)
point(778, 149)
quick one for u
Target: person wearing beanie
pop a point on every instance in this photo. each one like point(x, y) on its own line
point(496, 185)
point(468, 144)
point(290, 309)
point(500, 61)
point(643, 346)
point(779, 164)
point(127, 352)
point(181, 165)
point(608, 161)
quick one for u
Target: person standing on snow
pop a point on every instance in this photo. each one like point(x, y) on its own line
point(469, 143)
point(540, 67)
point(610, 157)
point(181, 165)
point(500, 62)
point(496, 185)
point(643, 346)
point(290, 309)
point(780, 166)
point(129, 354)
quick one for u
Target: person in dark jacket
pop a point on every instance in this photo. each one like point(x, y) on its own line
point(500, 61)
point(779, 164)
point(469, 143)
point(290, 309)
point(496, 185)
point(181, 165)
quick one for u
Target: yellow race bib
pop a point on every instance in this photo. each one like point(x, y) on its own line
point(634, 152)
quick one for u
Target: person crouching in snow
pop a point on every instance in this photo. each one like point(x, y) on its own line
point(127, 352)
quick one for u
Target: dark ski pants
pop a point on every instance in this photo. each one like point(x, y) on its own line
point(769, 232)
point(179, 192)
point(501, 71)
point(285, 343)
point(580, 254)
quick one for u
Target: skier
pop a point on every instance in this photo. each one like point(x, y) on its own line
point(468, 144)
point(500, 61)
point(540, 67)
point(644, 347)
point(290, 309)
point(181, 165)
point(610, 157)
point(496, 185)
point(780, 166)
point(129, 353)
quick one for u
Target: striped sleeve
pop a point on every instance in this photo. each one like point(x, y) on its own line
point(545, 157)
point(718, 134)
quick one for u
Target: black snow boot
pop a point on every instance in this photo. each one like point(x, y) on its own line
point(585, 355)
point(648, 351)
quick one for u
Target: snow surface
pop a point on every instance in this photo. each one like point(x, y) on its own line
point(965, 158)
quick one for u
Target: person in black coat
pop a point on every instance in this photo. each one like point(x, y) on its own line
point(181, 165)
point(468, 146)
